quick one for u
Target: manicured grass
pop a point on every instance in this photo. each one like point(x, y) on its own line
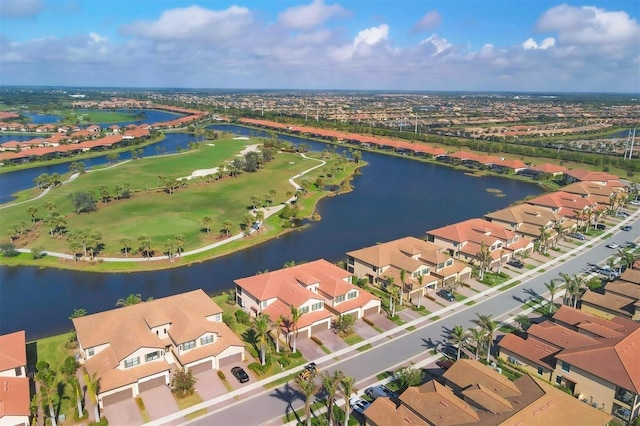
point(507, 287)
point(365, 347)
point(411, 328)
point(95, 116)
point(459, 297)
point(190, 401)
point(352, 339)
point(143, 410)
point(470, 303)
point(325, 349)
point(397, 320)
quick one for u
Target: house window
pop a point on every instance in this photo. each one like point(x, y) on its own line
point(339, 299)
point(264, 304)
point(151, 356)
point(91, 352)
point(540, 371)
point(449, 262)
point(304, 310)
point(188, 345)
point(352, 294)
point(206, 340)
point(131, 362)
point(316, 306)
point(350, 260)
point(440, 265)
point(558, 380)
point(566, 367)
point(18, 371)
point(217, 317)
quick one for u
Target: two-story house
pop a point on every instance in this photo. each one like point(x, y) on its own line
point(567, 205)
point(594, 358)
point(464, 241)
point(134, 348)
point(319, 290)
point(15, 399)
point(426, 265)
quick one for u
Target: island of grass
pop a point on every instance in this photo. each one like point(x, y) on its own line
point(171, 210)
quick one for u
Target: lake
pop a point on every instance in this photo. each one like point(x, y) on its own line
point(393, 197)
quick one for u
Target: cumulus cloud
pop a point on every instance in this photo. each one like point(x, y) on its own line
point(193, 23)
point(362, 43)
point(310, 15)
point(428, 22)
point(97, 38)
point(532, 44)
point(436, 44)
point(20, 8)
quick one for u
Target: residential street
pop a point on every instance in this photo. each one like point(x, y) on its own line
point(269, 406)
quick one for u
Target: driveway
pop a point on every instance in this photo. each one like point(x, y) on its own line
point(310, 350)
point(122, 413)
point(158, 402)
point(209, 385)
point(381, 321)
point(363, 329)
point(331, 340)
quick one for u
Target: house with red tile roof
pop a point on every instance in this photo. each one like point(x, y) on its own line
point(134, 348)
point(565, 204)
point(15, 399)
point(464, 240)
point(545, 168)
point(471, 393)
point(602, 178)
point(320, 290)
point(604, 195)
point(593, 357)
point(427, 266)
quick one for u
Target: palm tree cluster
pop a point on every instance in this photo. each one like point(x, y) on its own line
point(334, 385)
point(481, 337)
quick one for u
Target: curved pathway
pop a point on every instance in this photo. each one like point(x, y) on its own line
point(268, 211)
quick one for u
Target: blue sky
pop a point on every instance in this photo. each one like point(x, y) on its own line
point(459, 45)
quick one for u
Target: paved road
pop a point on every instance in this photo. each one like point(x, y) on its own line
point(271, 405)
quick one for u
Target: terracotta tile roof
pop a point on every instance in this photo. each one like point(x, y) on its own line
point(559, 336)
point(13, 350)
point(476, 231)
point(591, 189)
point(548, 168)
point(630, 275)
point(558, 199)
point(599, 330)
point(587, 175)
point(438, 404)
point(623, 288)
point(620, 305)
point(14, 397)
point(482, 397)
point(525, 214)
point(574, 317)
point(531, 349)
point(465, 372)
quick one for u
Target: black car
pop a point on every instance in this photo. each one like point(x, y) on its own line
point(627, 228)
point(240, 374)
point(515, 263)
point(446, 295)
point(601, 226)
point(577, 236)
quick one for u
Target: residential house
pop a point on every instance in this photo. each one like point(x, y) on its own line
point(134, 348)
point(543, 169)
point(602, 178)
point(464, 240)
point(426, 265)
point(569, 206)
point(620, 297)
point(474, 394)
point(592, 357)
point(320, 291)
point(15, 399)
point(601, 194)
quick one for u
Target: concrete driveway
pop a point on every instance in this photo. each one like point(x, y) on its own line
point(122, 413)
point(381, 321)
point(209, 385)
point(309, 349)
point(158, 402)
point(331, 340)
point(364, 330)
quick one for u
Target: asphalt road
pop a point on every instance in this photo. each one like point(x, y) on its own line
point(273, 404)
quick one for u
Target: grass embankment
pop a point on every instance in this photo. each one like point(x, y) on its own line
point(161, 216)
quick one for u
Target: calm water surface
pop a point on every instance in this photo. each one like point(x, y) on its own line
point(392, 198)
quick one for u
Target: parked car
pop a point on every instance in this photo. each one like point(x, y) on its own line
point(240, 374)
point(613, 245)
point(601, 226)
point(627, 228)
point(515, 263)
point(446, 295)
point(622, 214)
point(358, 404)
point(445, 364)
point(577, 236)
point(309, 371)
point(380, 391)
point(635, 203)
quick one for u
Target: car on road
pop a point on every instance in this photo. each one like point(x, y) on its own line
point(445, 364)
point(613, 245)
point(380, 391)
point(240, 374)
point(515, 263)
point(577, 236)
point(627, 228)
point(358, 404)
point(446, 295)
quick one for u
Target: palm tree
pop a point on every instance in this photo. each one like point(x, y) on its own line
point(476, 335)
point(553, 288)
point(331, 386)
point(484, 257)
point(543, 240)
point(572, 284)
point(489, 327)
point(348, 388)
point(179, 241)
point(126, 246)
point(170, 247)
point(261, 327)
point(561, 231)
point(458, 336)
point(255, 200)
point(393, 291)
point(226, 227)
point(420, 283)
point(46, 377)
point(308, 387)
point(132, 299)
point(32, 211)
point(207, 221)
point(92, 382)
point(295, 317)
point(69, 368)
point(403, 276)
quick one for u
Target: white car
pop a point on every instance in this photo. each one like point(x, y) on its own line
point(358, 404)
point(613, 245)
point(635, 203)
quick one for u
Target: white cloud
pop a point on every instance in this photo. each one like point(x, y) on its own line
point(438, 44)
point(97, 38)
point(545, 44)
point(310, 16)
point(20, 8)
point(362, 43)
point(428, 22)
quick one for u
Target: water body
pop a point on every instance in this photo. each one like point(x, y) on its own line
point(43, 118)
point(150, 116)
point(392, 198)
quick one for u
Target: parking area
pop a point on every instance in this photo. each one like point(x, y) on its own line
point(122, 413)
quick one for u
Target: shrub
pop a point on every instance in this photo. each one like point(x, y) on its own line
point(318, 341)
point(42, 365)
point(229, 320)
point(284, 361)
point(183, 383)
point(140, 403)
point(242, 317)
point(259, 369)
point(368, 321)
point(221, 375)
point(8, 250)
point(467, 285)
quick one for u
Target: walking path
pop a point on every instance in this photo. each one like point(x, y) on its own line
point(268, 212)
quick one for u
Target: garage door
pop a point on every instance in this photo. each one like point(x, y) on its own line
point(143, 386)
point(117, 397)
point(231, 359)
point(319, 327)
point(203, 366)
point(370, 311)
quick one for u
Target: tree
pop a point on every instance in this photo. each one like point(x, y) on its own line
point(308, 387)
point(226, 227)
point(32, 211)
point(207, 222)
point(247, 221)
point(403, 276)
point(331, 386)
point(77, 313)
point(572, 284)
point(170, 247)
point(561, 232)
point(295, 317)
point(132, 299)
point(408, 376)
point(543, 240)
point(42, 181)
point(55, 222)
point(77, 167)
point(105, 196)
point(393, 294)
point(255, 202)
point(83, 201)
point(343, 324)
point(183, 383)
point(50, 206)
point(348, 388)
point(523, 321)
point(92, 382)
point(484, 257)
point(476, 336)
point(125, 243)
point(261, 327)
point(46, 377)
point(553, 288)
point(179, 240)
point(145, 245)
point(489, 327)
point(458, 336)
point(68, 369)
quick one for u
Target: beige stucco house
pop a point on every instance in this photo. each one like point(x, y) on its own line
point(14, 384)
